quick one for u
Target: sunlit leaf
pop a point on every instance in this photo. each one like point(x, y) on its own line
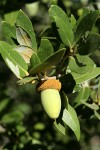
point(92, 106)
point(26, 80)
point(58, 12)
point(71, 119)
point(82, 95)
point(22, 37)
point(11, 17)
point(14, 60)
point(79, 78)
point(97, 114)
point(60, 126)
point(25, 51)
point(24, 22)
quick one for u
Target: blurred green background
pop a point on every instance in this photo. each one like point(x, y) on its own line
point(23, 124)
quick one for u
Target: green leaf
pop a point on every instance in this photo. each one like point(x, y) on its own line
point(20, 128)
point(45, 50)
point(79, 78)
point(56, 11)
point(22, 37)
point(92, 106)
point(62, 21)
point(48, 63)
point(71, 119)
point(3, 104)
point(24, 22)
point(24, 108)
point(65, 32)
point(25, 51)
point(91, 44)
point(12, 117)
point(86, 24)
point(97, 114)
point(73, 21)
point(82, 96)
point(11, 17)
point(60, 126)
point(34, 61)
point(9, 32)
point(26, 80)
point(39, 126)
point(14, 60)
point(81, 64)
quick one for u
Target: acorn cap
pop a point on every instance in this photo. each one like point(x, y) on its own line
point(50, 84)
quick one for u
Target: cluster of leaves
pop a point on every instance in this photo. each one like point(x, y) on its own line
point(30, 61)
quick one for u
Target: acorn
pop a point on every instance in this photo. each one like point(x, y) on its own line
point(50, 97)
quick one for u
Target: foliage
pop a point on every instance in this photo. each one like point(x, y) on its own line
point(64, 50)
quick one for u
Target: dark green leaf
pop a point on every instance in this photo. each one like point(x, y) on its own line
point(66, 33)
point(79, 78)
point(22, 37)
point(48, 63)
point(9, 32)
point(67, 82)
point(91, 44)
point(24, 22)
point(71, 119)
point(45, 50)
point(34, 61)
point(64, 99)
point(86, 24)
point(81, 64)
point(14, 60)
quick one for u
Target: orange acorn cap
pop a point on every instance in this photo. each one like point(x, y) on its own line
point(50, 84)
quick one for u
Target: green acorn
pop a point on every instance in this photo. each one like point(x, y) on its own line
point(50, 97)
